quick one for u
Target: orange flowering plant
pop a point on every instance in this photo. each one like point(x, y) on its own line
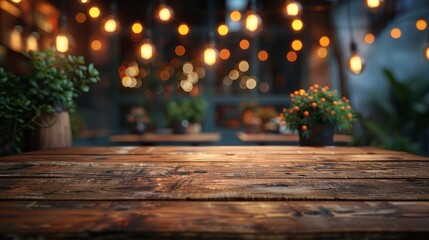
point(317, 105)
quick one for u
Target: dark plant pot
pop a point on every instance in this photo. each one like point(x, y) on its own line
point(180, 128)
point(322, 134)
point(137, 128)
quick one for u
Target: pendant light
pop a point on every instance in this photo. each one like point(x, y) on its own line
point(426, 53)
point(147, 49)
point(164, 13)
point(355, 63)
point(111, 23)
point(373, 4)
point(292, 9)
point(253, 22)
point(210, 52)
point(61, 40)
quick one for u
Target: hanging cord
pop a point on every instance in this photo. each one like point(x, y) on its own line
point(353, 46)
point(63, 18)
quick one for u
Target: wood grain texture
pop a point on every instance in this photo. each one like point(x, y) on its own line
point(218, 192)
point(213, 217)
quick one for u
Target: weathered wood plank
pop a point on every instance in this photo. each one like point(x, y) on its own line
point(283, 138)
point(215, 157)
point(255, 150)
point(252, 170)
point(230, 218)
point(185, 188)
point(163, 138)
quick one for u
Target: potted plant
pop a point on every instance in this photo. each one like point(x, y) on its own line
point(186, 116)
point(315, 113)
point(138, 120)
point(42, 98)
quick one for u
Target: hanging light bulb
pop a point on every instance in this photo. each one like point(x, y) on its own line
point(164, 13)
point(61, 40)
point(292, 9)
point(427, 50)
point(210, 55)
point(355, 62)
point(147, 49)
point(32, 42)
point(210, 52)
point(111, 24)
point(253, 22)
point(373, 4)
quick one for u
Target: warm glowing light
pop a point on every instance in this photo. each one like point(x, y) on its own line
point(222, 30)
point(62, 43)
point(296, 45)
point(235, 16)
point(210, 55)
point(201, 72)
point(193, 77)
point(243, 66)
point(84, 1)
point(32, 42)
point(395, 33)
point(297, 25)
point(322, 52)
point(355, 63)
point(165, 13)
point(16, 1)
point(187, 67)
point(251, 83)
point(234, 74)
point(253, 22)
point(180, 50)
point(16, 38)
point(263, 55)
point(244, 44)
point(324, 41)
point(137, 28)
point(373, 3)
point(224, 54)
point(96, 45)
point(427, 53)
point(186, 85)
point(80, 18)
point(183, 29)
point(94, 12)
point(132, 71)
point(111, 25)
point(293, 9)
point(369, 38)
point(421, 24)
point(147, 50)
point(291, 56)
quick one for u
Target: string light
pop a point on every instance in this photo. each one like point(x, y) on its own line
point(235, 16)
point(32, 42)
point(373, 4)
point(96, 45)
point(164, 13)
point(322, 52)
point(222, 30)
point(16, 1)
point(224, 54)
point(111, 24)
point(324, 41)
point(395, 33)
point(244, 44)
point(296, 45)
point(421, 24)
point(137, 28)
point(94, 12)
point(84, 1)
point(183, 29)
point(426, 53)
point(369, 38)
point(292, 9)
point(297, 25)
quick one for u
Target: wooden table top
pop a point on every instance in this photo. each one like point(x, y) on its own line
point(162, 138)
point(221, 192)
point(283, 138)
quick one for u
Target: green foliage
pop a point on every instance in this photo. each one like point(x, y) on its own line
point(191, 109)
point(57, 78)
point(402, 116)
point(52, 82)
point(317, 105)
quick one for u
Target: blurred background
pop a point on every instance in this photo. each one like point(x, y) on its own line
point(149, 56)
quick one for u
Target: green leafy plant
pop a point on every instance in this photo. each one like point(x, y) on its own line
point(51, 83)
point(400, 119)
point(317, 105)
point(191, 109)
